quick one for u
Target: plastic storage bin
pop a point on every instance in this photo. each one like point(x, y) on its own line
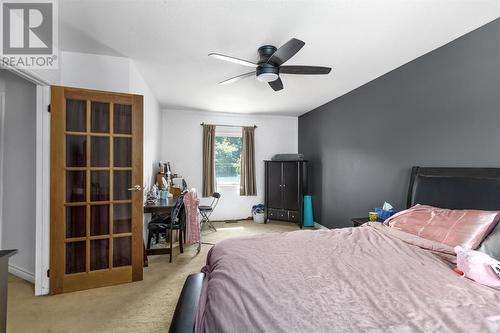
point(259, 217)
point(259, 213)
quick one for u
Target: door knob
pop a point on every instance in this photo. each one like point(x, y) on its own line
point(136, 188)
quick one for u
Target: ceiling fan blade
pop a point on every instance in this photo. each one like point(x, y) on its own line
point(276, 85)
point(237, 78)
point(286, 51)
point(232, 59)
point(305, 70)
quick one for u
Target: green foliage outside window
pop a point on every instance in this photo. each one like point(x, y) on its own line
point(227, 159)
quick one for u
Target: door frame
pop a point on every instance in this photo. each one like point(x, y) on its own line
point(42, 179)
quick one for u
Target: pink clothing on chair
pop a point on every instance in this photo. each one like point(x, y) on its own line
point(191, 202)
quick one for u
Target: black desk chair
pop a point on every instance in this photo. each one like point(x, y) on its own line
point(161, 225)
point(206, 211)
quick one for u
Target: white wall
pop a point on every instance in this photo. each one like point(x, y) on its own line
point(152, 124)
point(94, 71)
point(18, 181)
point(182, 135)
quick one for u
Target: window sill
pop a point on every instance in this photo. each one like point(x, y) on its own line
point(228, 186)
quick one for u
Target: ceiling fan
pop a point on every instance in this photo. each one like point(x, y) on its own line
point(269, 67)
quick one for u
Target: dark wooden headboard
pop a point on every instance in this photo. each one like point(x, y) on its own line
point(455, 188)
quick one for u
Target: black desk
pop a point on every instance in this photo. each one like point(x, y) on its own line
point(161, 207)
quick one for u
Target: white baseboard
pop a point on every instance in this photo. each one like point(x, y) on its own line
point(21, 273)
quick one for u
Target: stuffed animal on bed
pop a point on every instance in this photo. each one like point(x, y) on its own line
point(478, 266)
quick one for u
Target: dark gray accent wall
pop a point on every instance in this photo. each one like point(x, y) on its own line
point(442, 109)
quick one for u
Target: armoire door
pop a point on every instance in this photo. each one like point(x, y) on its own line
point(274, 185)
point(96, 209)
point(291, 186)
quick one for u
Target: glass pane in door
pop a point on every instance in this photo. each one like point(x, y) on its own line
point(99, 254)
point(122, 152)
point(99, 182)
point(122, 118)
point(122, 218)
point(75, 257)
point(122, 181)
point(99, 151)
point(99, 220)
point(99, 117)
point(76, 150)
point(76, 221)
point(75, 186)
point(122, 251)
point(76, 115)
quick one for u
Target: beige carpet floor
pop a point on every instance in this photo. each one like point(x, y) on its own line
point(145, 306)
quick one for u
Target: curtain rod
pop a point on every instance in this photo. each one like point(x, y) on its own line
point(254, 126)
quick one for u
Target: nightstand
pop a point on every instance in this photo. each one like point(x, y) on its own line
point(357, 221)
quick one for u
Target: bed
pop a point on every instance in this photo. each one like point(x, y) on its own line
point(366, 279)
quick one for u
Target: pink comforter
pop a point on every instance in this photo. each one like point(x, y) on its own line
point(366, 279)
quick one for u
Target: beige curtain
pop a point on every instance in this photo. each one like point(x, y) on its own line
point(208, 160)
point(247, 179)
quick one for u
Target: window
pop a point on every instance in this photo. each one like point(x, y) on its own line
point(228, 144)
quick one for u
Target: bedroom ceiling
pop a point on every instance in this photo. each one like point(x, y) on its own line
point(169, 40)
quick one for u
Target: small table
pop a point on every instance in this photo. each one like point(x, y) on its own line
point(162, 206)
point(357, 221)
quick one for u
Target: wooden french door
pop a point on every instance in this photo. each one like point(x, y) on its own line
point(96, 197)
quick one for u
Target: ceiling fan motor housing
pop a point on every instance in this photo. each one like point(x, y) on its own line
point(265, 52)
point(267, 72)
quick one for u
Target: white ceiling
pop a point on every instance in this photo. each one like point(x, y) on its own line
point(169, 40)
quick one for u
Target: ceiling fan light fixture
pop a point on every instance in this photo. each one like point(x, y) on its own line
point(267, 77)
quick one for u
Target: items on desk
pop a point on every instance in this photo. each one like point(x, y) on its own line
point(175, 191)
point(180, 183)
point(164, 195)
point(164, 167)
point(164, 175)
point(160, 179)
point(169, 184)
point(152, 196)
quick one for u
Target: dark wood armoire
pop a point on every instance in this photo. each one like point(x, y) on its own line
point(286, 184)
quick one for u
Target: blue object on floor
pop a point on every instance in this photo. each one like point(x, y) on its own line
point(308, 211)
